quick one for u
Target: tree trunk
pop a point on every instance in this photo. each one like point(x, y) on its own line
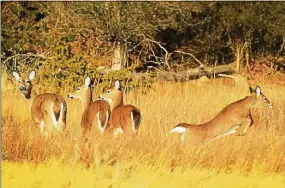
point(191, 74)
point(119, 57)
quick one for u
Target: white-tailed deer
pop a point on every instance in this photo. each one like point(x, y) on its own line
point(48, 110)
point(95, 114)
point(234, 118)
point(124, 118)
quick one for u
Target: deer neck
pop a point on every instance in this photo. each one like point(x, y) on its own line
point(119, 102)
point(86, 100)
point(251, 102)
point(248, 102)
point(29, 99)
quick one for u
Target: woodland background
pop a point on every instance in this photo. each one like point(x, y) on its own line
point(65, 40)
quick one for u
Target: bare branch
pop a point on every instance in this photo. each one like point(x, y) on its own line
point(200, 63)
point(225, 75)
point(166, 56)
point(24, 56)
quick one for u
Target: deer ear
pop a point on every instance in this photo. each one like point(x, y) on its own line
point(87, 81)
point(32, 75)
point(16, 76)
point(258, 90)
point(251, 90)
point(117, 84)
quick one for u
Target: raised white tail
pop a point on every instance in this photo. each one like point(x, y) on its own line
point(178, 130)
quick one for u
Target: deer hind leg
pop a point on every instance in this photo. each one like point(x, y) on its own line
point(244, 127)
point(113, 126)
point(105, 121)
point(99, 124)
point(102, 121)
point(118, 131)
point(43, 129)
point(58, 118)
point(182, 137)
point(63, 117)
point(232, 131)
point(126, 124)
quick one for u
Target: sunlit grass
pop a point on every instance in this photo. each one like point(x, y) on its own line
point(55, 174)
point(154, 158)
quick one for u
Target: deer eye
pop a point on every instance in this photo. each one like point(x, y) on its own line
point(108, 91)
point(28, 81)
point(78, 89)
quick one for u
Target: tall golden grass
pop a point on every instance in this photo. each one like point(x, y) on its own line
point(261, 151)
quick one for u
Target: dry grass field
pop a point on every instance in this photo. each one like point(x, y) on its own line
point(154, 158)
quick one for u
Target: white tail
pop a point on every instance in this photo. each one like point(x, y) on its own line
point(178, 129)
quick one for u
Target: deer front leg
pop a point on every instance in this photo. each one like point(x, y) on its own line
point(242, 130)
point(43, 128)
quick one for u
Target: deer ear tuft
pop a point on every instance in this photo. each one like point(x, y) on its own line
point(258, 90)
point(87, 81)
point(117, 84)
point(16, 76)
point(32, 75)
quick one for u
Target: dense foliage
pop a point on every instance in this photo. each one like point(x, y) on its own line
point(77, 37)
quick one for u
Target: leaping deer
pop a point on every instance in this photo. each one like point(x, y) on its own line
point(48, 110)
point(124, 118)
point(234, 118)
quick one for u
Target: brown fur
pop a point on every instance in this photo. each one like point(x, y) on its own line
point(89, 116)
point(91, 109)
point(121, 117)
point(41, 108)
point(44, 106)
point(235, 116)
